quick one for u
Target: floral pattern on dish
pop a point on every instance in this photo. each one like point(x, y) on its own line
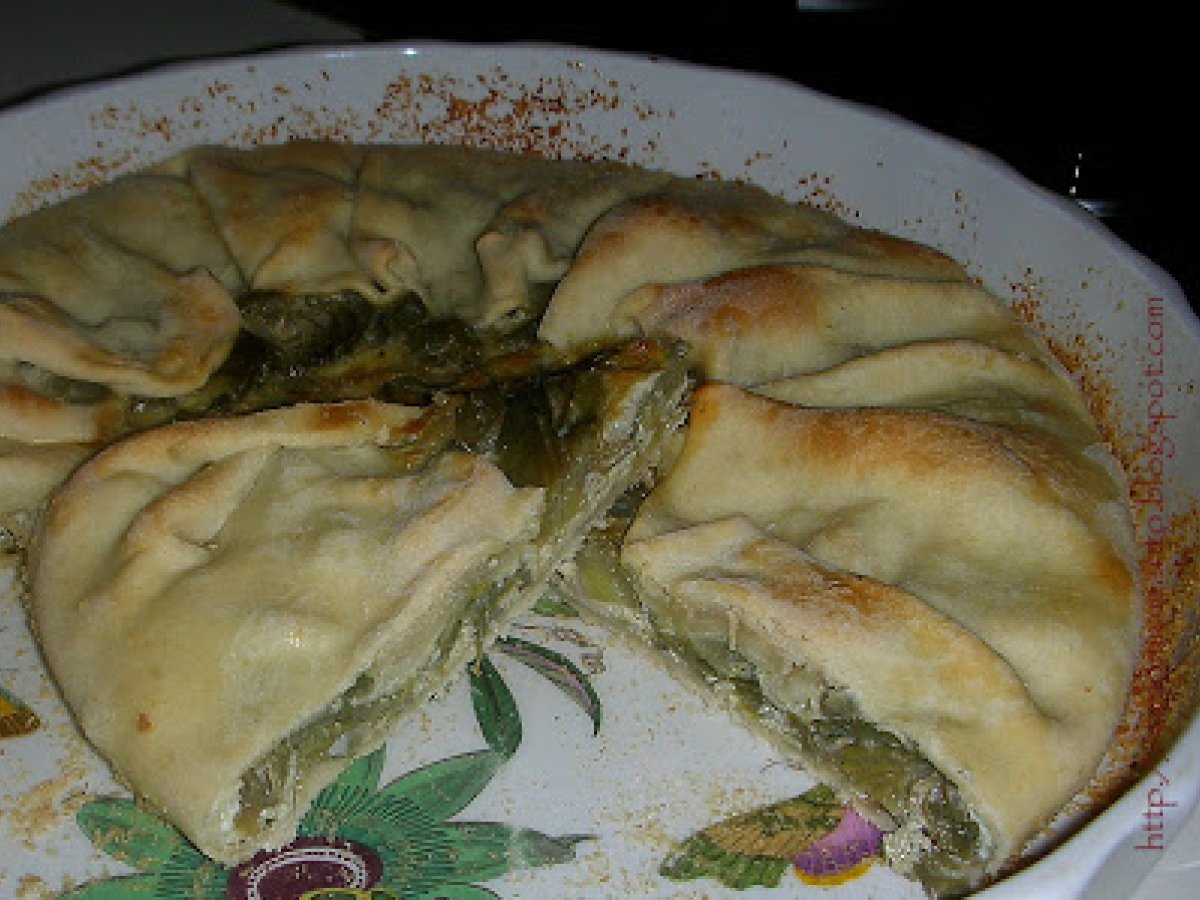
point(826, 842)
point(16, 718)
point(359, 839)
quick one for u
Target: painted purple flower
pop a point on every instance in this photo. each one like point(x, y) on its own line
point(854, 840)
point(814, 833)
point(360, 840)
point(306, 864)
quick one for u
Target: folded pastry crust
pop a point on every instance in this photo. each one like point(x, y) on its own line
point(962, 377)
point(887, 484)
point(633, 256)
point(481, 236)
point(244, 575)
point(235, 607)
point(286, 212)
point(968, 586)
point(28, 474)
point(128, 286)
point(765, 323)
point(125, 290)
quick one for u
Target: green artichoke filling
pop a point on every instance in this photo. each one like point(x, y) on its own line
point(60, 387)
point(357, 720)
point(326, 348)
point(584, 433)
point(932, 835)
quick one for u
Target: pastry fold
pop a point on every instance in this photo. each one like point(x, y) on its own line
point(356, 404)
point(235, 608)
point(960, 587)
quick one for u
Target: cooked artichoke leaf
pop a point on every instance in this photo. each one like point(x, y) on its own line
point(302, 328)
point(59, 387)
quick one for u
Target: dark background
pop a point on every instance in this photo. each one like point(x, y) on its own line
point(1092, 104)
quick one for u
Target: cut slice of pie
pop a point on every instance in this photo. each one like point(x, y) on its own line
point(933, 614)
point(231, 606)
point(234, 607)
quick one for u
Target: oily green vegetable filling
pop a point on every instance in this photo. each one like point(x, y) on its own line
point(60, 387)
point(895, 775)
point(355, 720)
point(937, 839)
point(57, 387)
point(584, 434)
point(521, 403)
point(327, 348)
point(874, 763)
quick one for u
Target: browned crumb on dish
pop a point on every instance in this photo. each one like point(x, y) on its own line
point(496, 111)
point(31, 887)
point(46, 805)
point(1086, 357)
point(1165, 690)
point(1164, 694)
point(89, 172)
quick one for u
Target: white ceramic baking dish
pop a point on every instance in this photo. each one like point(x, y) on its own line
point(662, 765)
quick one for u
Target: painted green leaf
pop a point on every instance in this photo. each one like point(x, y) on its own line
point(495, 709)
point(350, 894)
point(193, 876)
point(460, 892)
point(345, 799)
point(130, 887)
point(701, 858)
point(485, 850)
point(561, 672)
point(756, 848)
point(554, 606)
point(399, 830)
point(363, 773)
point(444, 788)
point(129, 833)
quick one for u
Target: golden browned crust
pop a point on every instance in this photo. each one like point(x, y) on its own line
point(203, 590)
point(900, 457)
point(879, 536)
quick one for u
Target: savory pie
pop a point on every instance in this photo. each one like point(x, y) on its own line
point(355, 406)
point(235, 607)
